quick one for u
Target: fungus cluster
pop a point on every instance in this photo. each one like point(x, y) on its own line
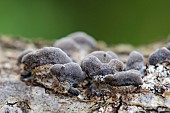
point(70, 72)
point(85, 41)
point(158, 71)
point(160, 55)
point(105, 69)
point(159, 60)
point(74, 67)
point(49, 66)
point(46, 55)
point(101, 63)
point(52, 61)
point(76, 45)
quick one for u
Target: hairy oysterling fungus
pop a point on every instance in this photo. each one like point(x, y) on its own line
point(86, 41)
point(71, 73)
point(160, 55)
point(135, 61)
point(39, 63)
point(44, 56)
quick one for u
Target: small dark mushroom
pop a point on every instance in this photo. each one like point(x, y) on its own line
point(84, 40)
point(70, 72)
point(110, 68)
point(114, 55)
point(23, 54)
point(67, 45)
point(46, 55)
point(160, 55)
point(135, 61)
point(93, 66)
point(124, 78)
point(116, 65)
point(103, 56)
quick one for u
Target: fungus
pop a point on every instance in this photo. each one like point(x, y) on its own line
point(116, 64)
point(72, 48)
point(93, 66)
point(112, 54)
point(46, 55)
point(22, 55)
point(84, 40)
point(160, 55)
point(70, 72)
point(67, 45)
point(135, 61)
point(124, 78)
point(103, 56)
point(110, 68)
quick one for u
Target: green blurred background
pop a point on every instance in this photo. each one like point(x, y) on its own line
point(114, 21)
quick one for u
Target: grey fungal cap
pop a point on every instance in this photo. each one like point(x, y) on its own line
point(23, 54)
point(103, 56)
point(67, 45)
point(135, 61)
point(116, 65)
point(71, 72)
point(92, 66)
point(46, 55)
point(160, 55)
point(112, 54)
point(124, 78)
point(83, 39)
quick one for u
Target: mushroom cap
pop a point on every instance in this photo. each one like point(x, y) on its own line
point(83, 39)
point(22, 54)
point(92, 66)
point(46, 55)
point(116, 65)
point(135, 61)
point(111, 53)
point(67, 45)
point(104, 56)
point(160, 55)
point(71, 72)
point(124, 78)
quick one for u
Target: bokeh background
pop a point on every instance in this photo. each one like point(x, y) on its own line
point(113, 21)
